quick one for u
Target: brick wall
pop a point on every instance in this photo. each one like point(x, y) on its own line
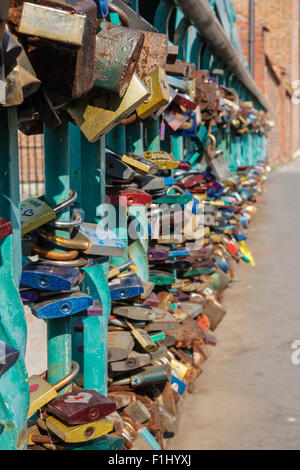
point(277, 65)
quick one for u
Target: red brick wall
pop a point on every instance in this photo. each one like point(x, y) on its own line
point(277, 30)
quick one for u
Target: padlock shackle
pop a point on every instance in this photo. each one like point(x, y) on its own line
point(213, 139)
point(76, 263)
point(123, 17)
point(55, 255)
point(65, 224)
point(67, 379)
point(177, 188)
point(68, 202)
point(62, 242)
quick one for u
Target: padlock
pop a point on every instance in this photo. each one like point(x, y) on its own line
point(73, 25)
point(92, 239)
point(157, 336)
point(139, 164)
point(178, 385)
point(150, 375)
point(41, 392)
point(153, 55)
point(133, 197)
point(108, 442)
point(11, 50)
point(143, 339)
point(158, 88)
point(60, 307)
point(80, 432)
point(180, 69)
point(5, 228)
point(137, 411)
point(191, 309)
point(114, 71)
point(81, 407)
point(35, 212)
point(150, 183)
point(8, 357)
point(185, 101)
point(181, 197)
point(120, 345)
point(122, 289)
point(98, 113)
point(216, 161)
point(48, 277)
point(160, 278)
point(134, 361)
point(121, 399)
point(29, 82)
point(164, 160)
point(145, 441)
point(134, 312)
point(158, 253)
point(116, 168)
point(163, 321)
point(130, 17)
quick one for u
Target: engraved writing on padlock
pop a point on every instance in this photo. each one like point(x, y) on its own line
point(153, 55)
point(62, 306)
point(8, 357)
point(114, 71)
point(49, 277)
point(81, 406)
point(120, 344)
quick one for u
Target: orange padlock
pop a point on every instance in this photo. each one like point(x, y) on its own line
point(204, 322)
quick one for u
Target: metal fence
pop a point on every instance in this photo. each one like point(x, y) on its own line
point(31, 165)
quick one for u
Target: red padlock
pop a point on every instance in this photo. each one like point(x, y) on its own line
point(5, 228)
point(135, 197)
point(204, 322)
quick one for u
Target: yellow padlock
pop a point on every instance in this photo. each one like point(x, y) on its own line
point(158, 87)
point(99, 112)
point(78, 433)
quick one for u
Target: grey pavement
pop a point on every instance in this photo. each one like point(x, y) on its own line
point(249, 394)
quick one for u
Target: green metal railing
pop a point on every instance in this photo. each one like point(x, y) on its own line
point(72, 162)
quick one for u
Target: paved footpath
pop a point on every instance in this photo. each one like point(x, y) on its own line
point(249, 394)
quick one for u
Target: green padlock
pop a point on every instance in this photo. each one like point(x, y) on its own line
point(160, 278)
point(181, 198)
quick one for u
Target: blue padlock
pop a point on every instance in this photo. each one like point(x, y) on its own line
point(61, 307)
point(48, 277)
point(179, 253)
point(178, 385)
point(102, 8)
point(222, 265)
point(126, 288)
point(8, 357)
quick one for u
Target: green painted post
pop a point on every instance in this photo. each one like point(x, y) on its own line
point(90, 159)
point(116, 141)
point(57, 188)
point(14, 390)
